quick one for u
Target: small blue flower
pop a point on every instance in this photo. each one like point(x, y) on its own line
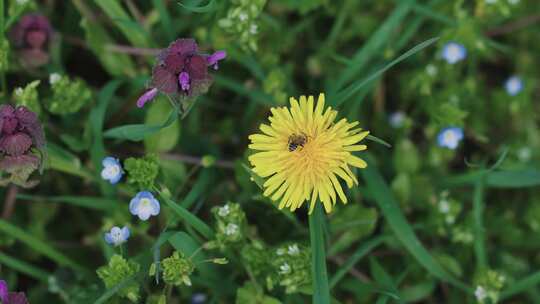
point(450, 137)
point(198, 298)
point(144, 205)
point(397, 119)
point(513, 85)
point(112, 170)
point(117, 236)
point(453, 52)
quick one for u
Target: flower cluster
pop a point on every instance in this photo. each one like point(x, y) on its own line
point(181, 72)
point(291, 267)
point(20, 132)
point(177, 269)
point(28, 97)
point(488, 286)
point(31, 37)
point(142, 171)
point(242, 21)
point(68, 95)
point(117, 271)
point(231, 225)
point(10, 297)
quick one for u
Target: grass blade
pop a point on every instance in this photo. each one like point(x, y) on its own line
point(373, 46)
point(96, 120)
point(23, 267)
point(321, 290)
point(111, 292)
point(124, 22)
point(531, 281)
point(97, 203)
point(364, 249)
point(200, 9)
point(479, 231)
point(188, 217)
point(38, 245)
point(401, 228)
point(357, 85)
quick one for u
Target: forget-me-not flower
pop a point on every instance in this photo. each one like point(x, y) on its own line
point(454, 52)
point(513, 85)
point(397, 119)
point(144, 205)
point(450, 137)
point(112, 170)
point(117, 235)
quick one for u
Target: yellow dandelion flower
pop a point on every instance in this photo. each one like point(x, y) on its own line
point(302, 153)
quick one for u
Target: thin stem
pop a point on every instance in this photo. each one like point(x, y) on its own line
point(197, 160)
point(479, 231)
point(10, 200)
point(321, 291)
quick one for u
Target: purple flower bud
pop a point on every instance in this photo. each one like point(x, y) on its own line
point(183, 80)
point(214, 58)
point(31, 36)
point(146, 97)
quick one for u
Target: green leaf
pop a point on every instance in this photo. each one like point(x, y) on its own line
point(79, 201)
point(111, 292)
point(64, 161)
point(165, 139)
point(198, 188)
point(514, 178)
point(357, 85)
point(401, 228)
point(210, 6)
point(184, 243)
point(23, 267)
point(188, 217)
point(138, 132)
point(382, 277)
point(321, 290)
point(38, 245)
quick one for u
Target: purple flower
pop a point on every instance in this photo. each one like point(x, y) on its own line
point(20, 131)
point(181, 71)
point(7, 297)
point(31, 36)
point(214, 58)
point(146, 97)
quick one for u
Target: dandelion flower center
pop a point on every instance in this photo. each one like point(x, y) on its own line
point(303, 152)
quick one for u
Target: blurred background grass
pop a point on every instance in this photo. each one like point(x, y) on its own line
point(392, 243)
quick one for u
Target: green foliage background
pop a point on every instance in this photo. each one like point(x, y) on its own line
point(391, 242)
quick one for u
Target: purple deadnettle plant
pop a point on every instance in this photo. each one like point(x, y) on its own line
point(20, 133)
point(7, 297)
point(181, 72)
point(32, 36)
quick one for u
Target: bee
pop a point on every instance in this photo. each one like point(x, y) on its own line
point(296, 140)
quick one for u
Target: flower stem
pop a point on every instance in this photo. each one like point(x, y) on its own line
point(321, 292)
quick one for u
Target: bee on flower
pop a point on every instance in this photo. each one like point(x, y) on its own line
point(303, 152)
